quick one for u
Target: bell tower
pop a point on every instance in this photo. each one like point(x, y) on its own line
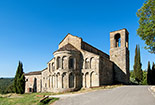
point(119, 54)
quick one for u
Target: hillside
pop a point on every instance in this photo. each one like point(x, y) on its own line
point(4, 83)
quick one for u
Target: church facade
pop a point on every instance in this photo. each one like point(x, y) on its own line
point(77, 64)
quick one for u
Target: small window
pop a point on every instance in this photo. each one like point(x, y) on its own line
point(58, 62)
point(86, 63)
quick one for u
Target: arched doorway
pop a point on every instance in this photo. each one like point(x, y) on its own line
point(93, 79)
point(71, 80)
point(87, 82)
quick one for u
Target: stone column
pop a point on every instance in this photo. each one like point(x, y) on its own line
point(75, 79)
point(83, 78)
point(74, 63)
point(68, 62)
point(67, 80)
point(60, 81)
point(55, 63)
point(97, 63)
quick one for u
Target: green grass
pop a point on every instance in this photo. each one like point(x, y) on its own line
point(32, 99)
point(26, 99)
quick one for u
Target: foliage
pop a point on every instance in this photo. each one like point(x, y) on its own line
point(149, 74)
point(146, 28)
point(138, 74)
point(144, 80)
point(5, 85)
point(153, 74)
point(19, 81)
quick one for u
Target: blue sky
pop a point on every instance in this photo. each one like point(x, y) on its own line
point(30, 30)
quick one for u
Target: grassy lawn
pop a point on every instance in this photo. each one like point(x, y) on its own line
point(34, 98)
point(25, 99)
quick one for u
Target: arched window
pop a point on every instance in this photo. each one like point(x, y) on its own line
point(117, 40)
point(53, 66)
point(64, 62)
point(58, 62)
point(127, 41)
point(35, 85)
point(71, 63)
point(49, 65)
point(71, 80)
point(86, 63)
point(49, 82)
point(92, 63)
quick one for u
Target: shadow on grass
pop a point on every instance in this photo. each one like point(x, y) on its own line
point(48, 101)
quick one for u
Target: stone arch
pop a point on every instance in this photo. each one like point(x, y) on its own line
point(117, 40)
point(58, 62)
point(49, 66)
point(71, 62)
point(87, 81)
point(64, 80)
point(92, 63)
point(49, 82)
point(58, 79)
point(53, 66)
point(93, 79)
point(83, 80)
point(35, 85)
point(86, 63)
point(71, 80)
point(53, 81)
point(64, 62)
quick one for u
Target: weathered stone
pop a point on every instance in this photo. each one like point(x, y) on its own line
point(76, 65)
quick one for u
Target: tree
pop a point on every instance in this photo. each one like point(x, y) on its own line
point(153, 74)
point(149, 76)
point(19, 80)
point(146, 28)
point(138, 73)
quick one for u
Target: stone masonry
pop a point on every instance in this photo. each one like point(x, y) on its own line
point(76, 65)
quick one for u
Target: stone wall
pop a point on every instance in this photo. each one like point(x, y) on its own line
point(106, 71)
point(76, 65)
point(33, 83)
point(120, 55)
point(90, 70)
point(73, 40)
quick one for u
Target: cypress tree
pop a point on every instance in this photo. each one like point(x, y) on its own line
point(149, 74)
point(19, 81)
point(138, 73)
point(153, 74)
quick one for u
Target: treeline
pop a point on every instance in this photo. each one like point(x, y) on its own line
point(14, 85)
point(6, 85)
point(151, 74)
point(139, 76)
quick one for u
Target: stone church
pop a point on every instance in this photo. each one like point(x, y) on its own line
point(77, 64)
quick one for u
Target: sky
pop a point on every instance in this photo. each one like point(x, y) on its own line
point(30, 30)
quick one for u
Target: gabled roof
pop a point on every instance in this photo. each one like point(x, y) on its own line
point(67, 36)
point(67, 47)
point(34, 72)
